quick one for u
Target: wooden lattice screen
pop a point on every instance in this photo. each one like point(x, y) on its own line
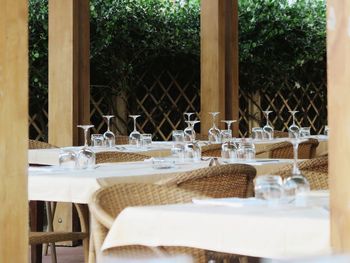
point(162, 98)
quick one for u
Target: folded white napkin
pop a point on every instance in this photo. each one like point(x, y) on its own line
point(233, 202)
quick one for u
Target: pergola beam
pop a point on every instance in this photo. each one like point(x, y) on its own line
point(219, 60)
point(14, 132)
point(338, 50)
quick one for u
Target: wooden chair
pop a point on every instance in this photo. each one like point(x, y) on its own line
point(220, 181)
point(108, 202)
point(284, 150)
point(315, 170)
point(113, 157)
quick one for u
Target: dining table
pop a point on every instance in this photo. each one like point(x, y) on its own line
point(250, 227)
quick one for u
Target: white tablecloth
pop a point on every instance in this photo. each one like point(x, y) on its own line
point(52, 184)
point(260, 231)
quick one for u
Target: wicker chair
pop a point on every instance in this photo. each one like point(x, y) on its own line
point(108, 202)
point(220, 181)
point(211, 150)
point(315, 170)
point(33, 144)
point(280, 134)
point(114, 157)
point(121, 139)
point(284, 150)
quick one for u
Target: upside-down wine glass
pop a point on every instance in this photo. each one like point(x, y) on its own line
point(293, 130)
point(189, 132)
point(86, 157)
point(214, 134)
point(135, 136)
point(296, 183)
point(268, 129)
point(226, 135)
point(109, 135)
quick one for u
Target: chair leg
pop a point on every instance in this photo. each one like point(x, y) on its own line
point(50, 229)
point(83, 212)
point(243, 259)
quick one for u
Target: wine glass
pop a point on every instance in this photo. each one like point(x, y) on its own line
point(293, 129)
point(86, 157)
point(296, 183)
point(226, 135)
point(190, 133)
point(214, 134)
point(109, 135)
point(268, 129)
point(135, 136)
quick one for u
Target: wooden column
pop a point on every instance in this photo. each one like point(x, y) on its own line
point(14, 131)
point(219, 60)
point(69, 70)
point(338, 45)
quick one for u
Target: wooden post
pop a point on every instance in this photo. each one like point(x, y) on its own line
point(219, 61)
point(69, 70)
point(338, 45)
point(14, 132)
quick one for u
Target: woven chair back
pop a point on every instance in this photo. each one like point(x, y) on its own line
point(33, 144)
point(115, 157)
point(284, 150)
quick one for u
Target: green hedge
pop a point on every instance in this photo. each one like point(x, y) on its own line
point(278, 41)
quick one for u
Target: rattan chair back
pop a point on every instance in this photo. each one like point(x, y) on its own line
point(280, 134)
point(33, 144)
point(230, 180)
point(121, 139)
point(114, 157)
point(211, 150)
point(315, 170)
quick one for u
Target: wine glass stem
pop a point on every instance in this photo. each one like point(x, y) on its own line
point(108, 122)
point(134, 124)
point(85, 137)
point(293, 119)
point(267, 119)
point(295, 161)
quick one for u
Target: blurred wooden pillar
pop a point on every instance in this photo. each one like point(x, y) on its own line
point(338, 45)
point(69, 70)
point(219, 61)
point(14, 134)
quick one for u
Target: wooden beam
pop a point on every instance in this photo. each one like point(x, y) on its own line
point(14, 132)
point(338, 49)
point(219, 60)
point(69, 70)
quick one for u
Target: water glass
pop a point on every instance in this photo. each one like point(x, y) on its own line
point(257, 133)
point(97, 140)
point(86, 158)
point(146, 139)
point(229, 152)
point(226, 135)
point(192, 151)
point(162, 163)
point(178, 143)
point(304, 132)
point(67, 159)
point(246, 150)
point(269, 187)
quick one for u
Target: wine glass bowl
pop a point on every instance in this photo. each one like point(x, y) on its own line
point(268, 129)
point(226, 135)
point(109, 136)
point(135, 136)
point(293, 130)
point(86, 157)
point(214, 134)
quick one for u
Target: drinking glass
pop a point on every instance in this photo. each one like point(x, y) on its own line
point(226, 135)
point(304, 132)
point(97, 140)
point(192, 151)
point(257, 133)
point(296, 183)
point(135, 136)
point(178, 143)
point(326, 130)
point(293, 130)
point(146, 139)
point(190, 133)
point(269, 187)
point(67, 159)
point(246, 150)
point(214, 134)
point(268, 129)
point(109, 135)
point(229, 151)
point(86, 157)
